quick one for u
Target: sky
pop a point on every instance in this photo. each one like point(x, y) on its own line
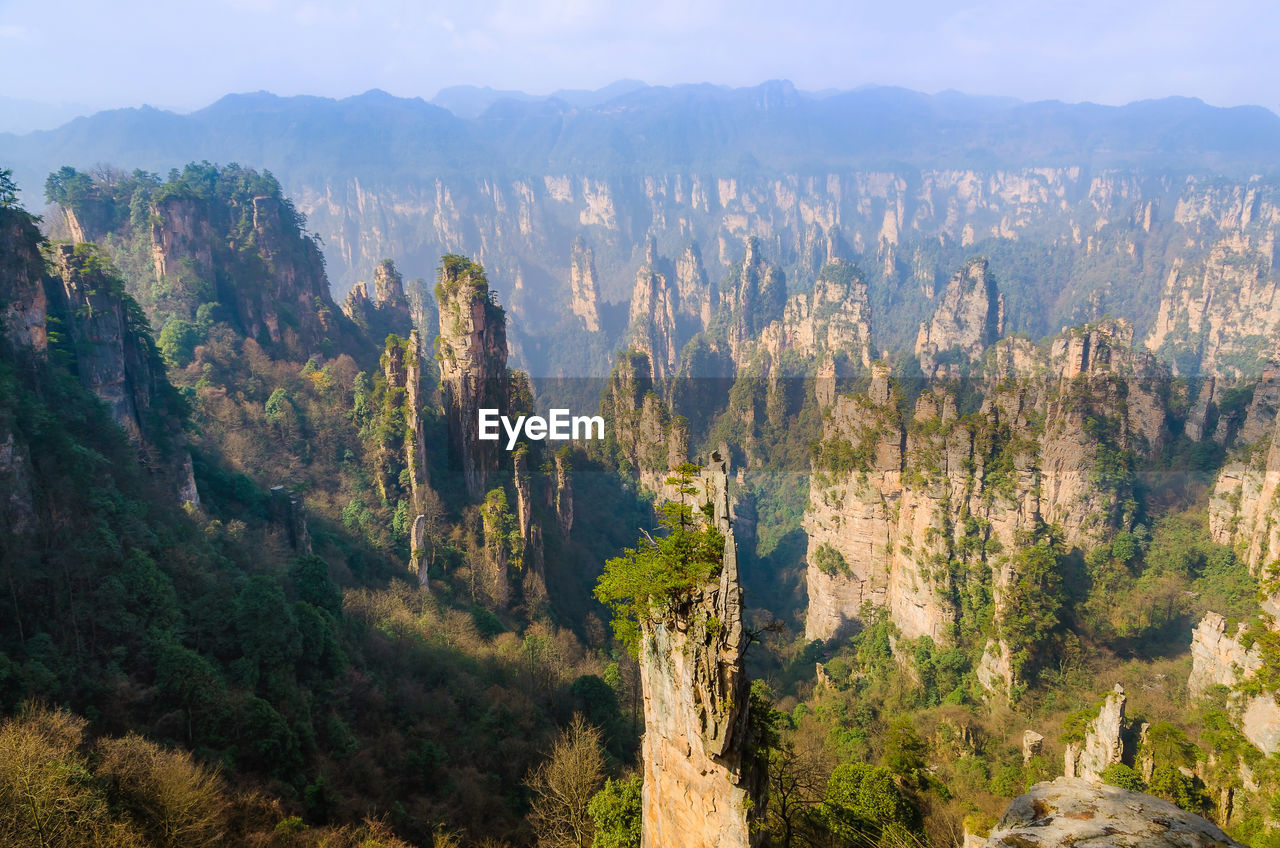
point(71, 57)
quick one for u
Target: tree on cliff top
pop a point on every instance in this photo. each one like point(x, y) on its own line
point(646, 581)
point(8, 189)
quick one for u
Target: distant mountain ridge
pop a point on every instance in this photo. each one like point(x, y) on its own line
point(1066, 199)
point(631, 126)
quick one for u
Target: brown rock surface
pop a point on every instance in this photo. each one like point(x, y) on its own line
point(584, 295)
point(904, 495)
point(654, 302)
point(1074, 812)
point(968, 318)
point(1104, 742)
point(472, 349)
point(702, 788)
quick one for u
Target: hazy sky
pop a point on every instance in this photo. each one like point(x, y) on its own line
point(186, 54)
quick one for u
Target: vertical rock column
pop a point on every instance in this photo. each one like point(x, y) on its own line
point(702, 785)
point(564, 494)
point(416, 456)
point(472, 350)
point(1104, 741)
point(532, 556)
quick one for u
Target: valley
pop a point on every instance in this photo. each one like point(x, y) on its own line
point(925, 476)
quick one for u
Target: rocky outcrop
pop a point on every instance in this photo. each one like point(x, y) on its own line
point(1219, 658)
point(280, 309)
point(967, 319)
point(703, 786)
point(697, 296)
point(22, 336)
point(1244, 510)
point(893, 498)
point(222, 240)
point(288, 514)
point(754, 296)
point(117, 361)
point(897, 218)
point(654, 302)
point(1260, 722)
point(1032, 745)
point(524, 492)
point(833, 320)
point(387, 311)
point(1220, 311)
point(400, 462)
point(1073, 812)
point(850, 521)
point(358, 306)
point(1104, 741)
point(496, 561)
point(1108, 401)
point(562, 495)
point(183, 245)
point(472, 351)
point(388, 286)
point(418, 562)
point(584, 293)
point(22, 295)
point(648, 440)
point(531, 552)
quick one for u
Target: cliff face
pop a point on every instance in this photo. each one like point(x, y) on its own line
point(1103, 744)
point(404, 456)
point(754, 297)
point(832, 319)
point(654, 303)
point(1103, 401)
point(584, 294)
point(183, 244)
point(1243, 510)
point(967, 319)
point(22, 334)
point(116, 360)
point(702, 785)
point(1220, 307)
point(216, 244)
point(285, 309)
point(525, 228)
point(22, 296)
point(915, 515)
point(388, 310)
point(648, 440)
point(562, 496)
point(472, 350)
point(698, 299)
point(1221, 658)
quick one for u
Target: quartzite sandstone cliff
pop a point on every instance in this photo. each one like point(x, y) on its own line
point(702, 782)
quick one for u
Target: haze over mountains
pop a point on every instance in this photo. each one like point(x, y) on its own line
point(908, 185)
point(774, 124)
point(982, 391)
